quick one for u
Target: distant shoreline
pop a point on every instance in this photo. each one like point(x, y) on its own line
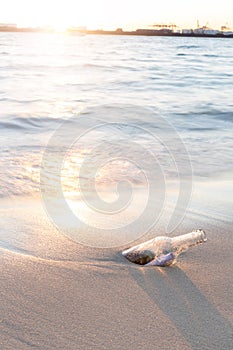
point(149, 32)
point(120, 32)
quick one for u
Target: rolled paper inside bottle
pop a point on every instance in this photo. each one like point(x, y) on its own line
point(164, 260)
point(141, 257)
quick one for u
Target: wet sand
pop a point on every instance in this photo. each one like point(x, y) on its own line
point(57, 294)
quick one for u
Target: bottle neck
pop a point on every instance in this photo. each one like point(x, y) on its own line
point(189, 239)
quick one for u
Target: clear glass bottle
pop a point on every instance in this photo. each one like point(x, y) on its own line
point(162, 250)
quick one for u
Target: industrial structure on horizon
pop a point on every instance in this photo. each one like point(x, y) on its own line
point(157, 29)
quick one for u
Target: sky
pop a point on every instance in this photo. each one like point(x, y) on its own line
point(111, 14)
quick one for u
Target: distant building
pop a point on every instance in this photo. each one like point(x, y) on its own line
point(187, 31)
point(146, 31)
point(227, 33)
point(198, 31)
point(205, 31)
point(165, 31)
point(211, 32)
point(226, 30)
point(177, 30)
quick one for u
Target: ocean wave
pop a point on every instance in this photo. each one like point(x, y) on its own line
point(188, 47)
point(24, 101)
point(29, 123)
point(210, 55)
point(22, 67)
point(211, 114)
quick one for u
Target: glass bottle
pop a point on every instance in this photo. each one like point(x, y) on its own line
point(162, 250)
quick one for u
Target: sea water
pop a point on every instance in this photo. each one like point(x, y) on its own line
point(187, 83)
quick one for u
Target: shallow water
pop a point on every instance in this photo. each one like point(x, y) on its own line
point(136, 84)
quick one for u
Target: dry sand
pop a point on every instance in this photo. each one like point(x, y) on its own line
point(57, 294)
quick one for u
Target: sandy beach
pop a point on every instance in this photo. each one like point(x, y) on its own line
point(57, 294)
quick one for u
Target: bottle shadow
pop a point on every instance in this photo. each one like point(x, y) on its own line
point(194, 316)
